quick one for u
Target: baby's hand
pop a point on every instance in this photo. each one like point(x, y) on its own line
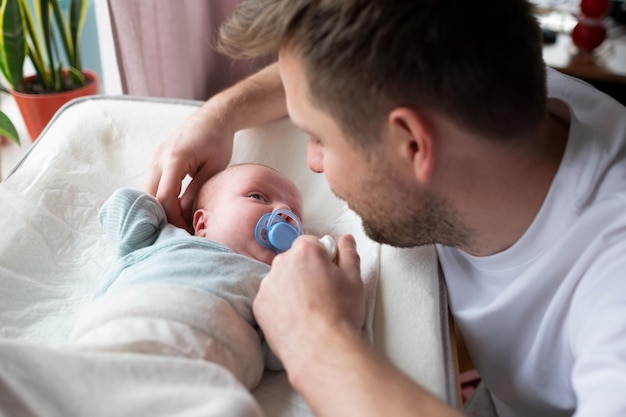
point(330, 245)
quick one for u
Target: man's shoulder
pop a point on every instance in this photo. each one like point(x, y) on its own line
point(585, 99)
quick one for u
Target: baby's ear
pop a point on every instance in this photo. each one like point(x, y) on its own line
point(200, 222)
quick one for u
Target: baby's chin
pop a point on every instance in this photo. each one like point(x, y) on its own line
point(261, 254)
point(266, 256)
point(254, 251)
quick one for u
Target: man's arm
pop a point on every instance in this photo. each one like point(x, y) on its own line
point(203, 144)
point(344, 377)
point(312, 311)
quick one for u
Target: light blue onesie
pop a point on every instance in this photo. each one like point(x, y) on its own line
point(153, 251)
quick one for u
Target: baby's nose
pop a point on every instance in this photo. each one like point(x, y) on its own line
point(282, 206)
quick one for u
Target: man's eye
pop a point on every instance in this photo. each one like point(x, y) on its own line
point(314, 141)
point(258, 196)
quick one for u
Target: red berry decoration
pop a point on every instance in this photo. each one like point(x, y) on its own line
point(588, 37)
point(589, 32)
point(595, 9)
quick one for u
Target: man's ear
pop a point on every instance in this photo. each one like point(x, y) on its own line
point(200, 222)
point(416, 140)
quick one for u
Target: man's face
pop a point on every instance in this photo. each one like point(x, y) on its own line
point(377, 183)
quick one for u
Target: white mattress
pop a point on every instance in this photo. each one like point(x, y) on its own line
point(53, 253)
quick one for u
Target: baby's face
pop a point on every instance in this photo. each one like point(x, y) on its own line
point(232, 203)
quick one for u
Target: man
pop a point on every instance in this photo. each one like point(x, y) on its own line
point(431, 119)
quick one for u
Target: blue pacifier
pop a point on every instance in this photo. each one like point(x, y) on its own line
point(277, 230)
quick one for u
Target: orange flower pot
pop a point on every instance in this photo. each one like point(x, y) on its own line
point(38, 109)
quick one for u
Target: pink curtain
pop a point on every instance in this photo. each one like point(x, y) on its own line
point(164, 48)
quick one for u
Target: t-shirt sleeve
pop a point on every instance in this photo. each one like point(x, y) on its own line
point(132, 219)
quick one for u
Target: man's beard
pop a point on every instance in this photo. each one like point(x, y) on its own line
point(417, 218)
point(404, 213)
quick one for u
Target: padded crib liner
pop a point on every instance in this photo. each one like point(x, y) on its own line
point(53, 255)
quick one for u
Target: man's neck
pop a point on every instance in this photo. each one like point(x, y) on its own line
point(508, 187)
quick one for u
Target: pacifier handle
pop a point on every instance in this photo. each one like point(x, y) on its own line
point(330, 245)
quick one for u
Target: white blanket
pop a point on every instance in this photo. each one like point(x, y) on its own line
point(38, 380)
point(186, 322)
point(53, 256)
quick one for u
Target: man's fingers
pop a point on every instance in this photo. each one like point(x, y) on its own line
point(189, 197)
point(154, 174)
point(192, 190)
point(348, 258)
point(167, 193)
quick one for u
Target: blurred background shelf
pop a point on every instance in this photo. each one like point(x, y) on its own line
point(605, 68)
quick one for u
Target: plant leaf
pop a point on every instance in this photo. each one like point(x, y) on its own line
point(34, 48)
point(36, 60)
point(77, 77)
point(58, 78)
point(64, 31)
point(43, 13)
point(7, 128)
point(77, 14)
point(12, 42)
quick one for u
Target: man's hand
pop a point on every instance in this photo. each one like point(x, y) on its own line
point(201, 147)
point(305, 292)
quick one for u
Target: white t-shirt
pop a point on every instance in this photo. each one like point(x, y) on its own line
point(545, 320)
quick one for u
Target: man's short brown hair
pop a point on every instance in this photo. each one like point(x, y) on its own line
point(478, 62)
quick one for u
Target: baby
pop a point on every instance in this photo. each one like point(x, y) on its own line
point(171, 293)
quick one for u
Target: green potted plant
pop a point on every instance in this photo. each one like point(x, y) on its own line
point(7, 129)
point(38, 36)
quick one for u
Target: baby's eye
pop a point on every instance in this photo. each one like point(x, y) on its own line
point(258, 196)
